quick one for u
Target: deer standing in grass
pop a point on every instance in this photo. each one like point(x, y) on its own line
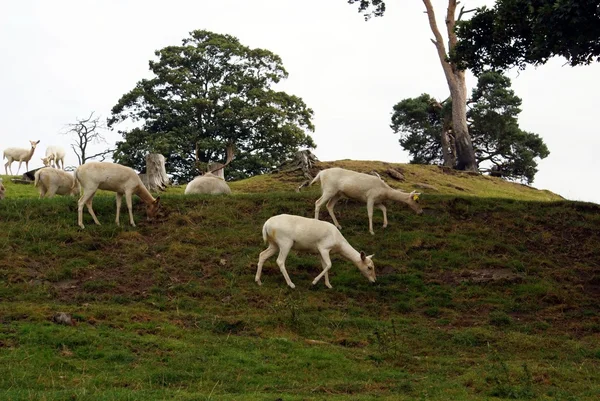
point(18, 155)
point(337, 183)
point(112, 177)
point(55, 157)
point(285, 232)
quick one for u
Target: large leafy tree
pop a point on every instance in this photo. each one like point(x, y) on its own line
point(500, 145)
point(515, 33)
point(455, 77)
point(207, 94)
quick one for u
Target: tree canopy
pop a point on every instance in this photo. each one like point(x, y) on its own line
point(515, 33)
point(206, 94)
point(498, 141)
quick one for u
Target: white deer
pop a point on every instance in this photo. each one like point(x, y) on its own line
point(55, 157)
point(112, 177)
point(337, 183)
point(52, 181)
point(18, 155)
point(210, 183)
point(284, 232)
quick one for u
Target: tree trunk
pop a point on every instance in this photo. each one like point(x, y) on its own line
point(464, 147)
point(447, 137)
point(455, 78)
point(448, 148)
point(303, 160)
point(156, 178)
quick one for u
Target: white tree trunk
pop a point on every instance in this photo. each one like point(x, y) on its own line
point(156, 178)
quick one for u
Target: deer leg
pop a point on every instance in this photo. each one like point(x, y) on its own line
point(330, 206)
point(326, 262)
point(384, 210)
point(86, 199)
point(284, 249)
point(119, 197)
point(51, 191)
point(129, 207)
point(262, 258)
point(370, 213)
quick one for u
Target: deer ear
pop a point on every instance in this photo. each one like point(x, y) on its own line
point(362, 256)
point(157, 199)
point(371, 256)
point(37, 142)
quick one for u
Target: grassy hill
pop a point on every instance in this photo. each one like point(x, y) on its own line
point(492, 293)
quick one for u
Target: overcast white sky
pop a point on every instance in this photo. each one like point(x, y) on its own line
point(63, 59)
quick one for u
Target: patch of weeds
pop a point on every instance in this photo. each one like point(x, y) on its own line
point(99, 285)
point(433, 311)
point(439, 298)
point(472, 337)
point(388, 341)
point(229, 326)
point(404, 307)
point(541, 326)
point(506, 385)
point(121, 299)
point(62, 273)
point(289, 310)
point(499, 318)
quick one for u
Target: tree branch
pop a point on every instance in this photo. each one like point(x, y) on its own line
point(439, 40)
point(101, 154)
point(463, 11)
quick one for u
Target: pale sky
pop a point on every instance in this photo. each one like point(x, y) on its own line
point(63, 59)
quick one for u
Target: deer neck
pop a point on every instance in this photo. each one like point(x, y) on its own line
point(397, 195)
point(144, 194)
point(347, 251)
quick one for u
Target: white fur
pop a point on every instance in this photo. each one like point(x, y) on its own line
point(207, 184)
point(18, 155)
point(284, 232)
point(112, 177)
point(55, 157)
point(337, 183)
point(51, 181)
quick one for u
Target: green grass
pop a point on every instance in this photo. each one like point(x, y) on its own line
point(479, 298)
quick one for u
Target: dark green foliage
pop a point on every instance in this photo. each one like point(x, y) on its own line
point(515, 33)
point(210, 92)
point(370, 7)
point(420, 125)
point(498, 141)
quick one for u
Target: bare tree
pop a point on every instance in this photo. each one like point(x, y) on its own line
point(86, 131)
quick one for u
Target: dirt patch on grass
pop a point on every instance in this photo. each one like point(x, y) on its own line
point(483, 276)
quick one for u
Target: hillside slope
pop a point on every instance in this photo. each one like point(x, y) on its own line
point(479, 297)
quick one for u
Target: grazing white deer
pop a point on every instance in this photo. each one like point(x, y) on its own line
point(112, 177)
point(55, 157)
point(210, 183)
point(52, 181)
point(337, 183)
point(284, 232)
point(18, 155)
